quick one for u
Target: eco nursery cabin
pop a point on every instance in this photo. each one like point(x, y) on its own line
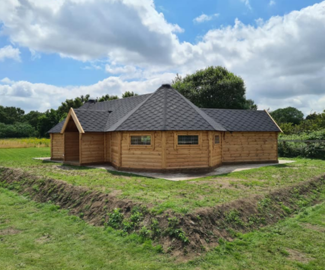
point(163, 131)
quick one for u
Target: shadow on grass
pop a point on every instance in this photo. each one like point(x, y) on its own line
point(63, 166)
point(120, 173)
point(73, 167)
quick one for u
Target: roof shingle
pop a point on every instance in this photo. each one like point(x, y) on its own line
point(165, 109)
point(242, 120)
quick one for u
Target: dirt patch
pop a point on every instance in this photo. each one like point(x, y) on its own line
point(43, 239)
point(297, 256)
point(314, 227)
point(9, 231)
point(115, 192)
point(177, 233)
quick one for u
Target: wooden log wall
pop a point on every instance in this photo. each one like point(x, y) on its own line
point(249, 147)
point(57, 146)
point(187, 156)
point(92, 148)
point(107, 147)
point(165, 153)
point(115, 148)
point(141, 156)
point(71, 146)
point(216, 149)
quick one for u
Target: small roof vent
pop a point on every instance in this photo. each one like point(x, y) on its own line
point(92, 100)
point(167, 85)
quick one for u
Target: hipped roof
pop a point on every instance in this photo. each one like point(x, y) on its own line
point(165, 109)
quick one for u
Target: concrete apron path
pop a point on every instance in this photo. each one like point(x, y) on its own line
point(185, 176)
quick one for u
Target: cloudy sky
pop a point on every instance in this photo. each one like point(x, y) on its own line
point(57, 49)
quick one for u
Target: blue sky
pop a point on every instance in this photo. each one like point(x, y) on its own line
point(182, 12)
point(53, 50)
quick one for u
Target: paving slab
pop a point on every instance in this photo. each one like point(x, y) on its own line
point(224, 169)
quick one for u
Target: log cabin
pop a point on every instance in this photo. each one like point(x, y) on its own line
point(163, 131)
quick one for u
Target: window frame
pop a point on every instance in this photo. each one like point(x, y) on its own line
point(187, 136)
point(142, 146)
point(217, 145)
point(187, 133)
point(215, 136)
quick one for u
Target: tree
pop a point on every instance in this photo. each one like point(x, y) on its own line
point(106, 98)
point(250, 105)
point(17, 130)
point(32, 118)
point(46, 121)
point(214, 87)
point(313, 116)
point(71, 103)
point(11, 115)
point(129, 94)
point(288, 115)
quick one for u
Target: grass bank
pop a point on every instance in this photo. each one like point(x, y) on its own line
point(41, 236)
point(179, 234)
point(182, 197)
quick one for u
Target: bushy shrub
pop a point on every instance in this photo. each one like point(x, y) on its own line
point(18, 130)
point(303, 149)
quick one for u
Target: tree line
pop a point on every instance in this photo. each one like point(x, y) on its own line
point(296, 127)
point(213, 87)
point(15, 123)
point(292, 121)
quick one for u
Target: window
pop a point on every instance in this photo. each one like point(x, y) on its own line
point(216, 139)
point(140, 140)
point(188, 139)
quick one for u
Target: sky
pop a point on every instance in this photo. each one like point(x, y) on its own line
point(58, 49)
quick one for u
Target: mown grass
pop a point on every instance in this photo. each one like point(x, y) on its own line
point(24, 143)
point(40, 236)
point(159, 194)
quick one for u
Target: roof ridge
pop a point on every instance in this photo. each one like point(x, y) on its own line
point(232, 109)
point(79, 109)
point(125, 117)
point(207, 118)
point(165, 110)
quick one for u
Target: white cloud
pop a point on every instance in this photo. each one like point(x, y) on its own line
point(205, 18)
point(247, 3)
point(6, 81)
point(122, 30)
point(92, 66)
point(282, 60)
point(279, 59)
point(272, 3)
point(10, 53)
point(39, 96)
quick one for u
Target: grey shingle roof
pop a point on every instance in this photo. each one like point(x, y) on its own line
point(92, 121)
point(165, 109)
point(57, 128)
point(242, 120)
point(117, 108)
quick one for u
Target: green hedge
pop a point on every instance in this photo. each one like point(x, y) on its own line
point(298, 149)
point(18, 130)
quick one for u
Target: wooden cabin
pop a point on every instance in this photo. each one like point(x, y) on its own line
point(163, 131)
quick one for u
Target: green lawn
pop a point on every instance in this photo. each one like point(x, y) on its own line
point(39, 236)
point(183, 197)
